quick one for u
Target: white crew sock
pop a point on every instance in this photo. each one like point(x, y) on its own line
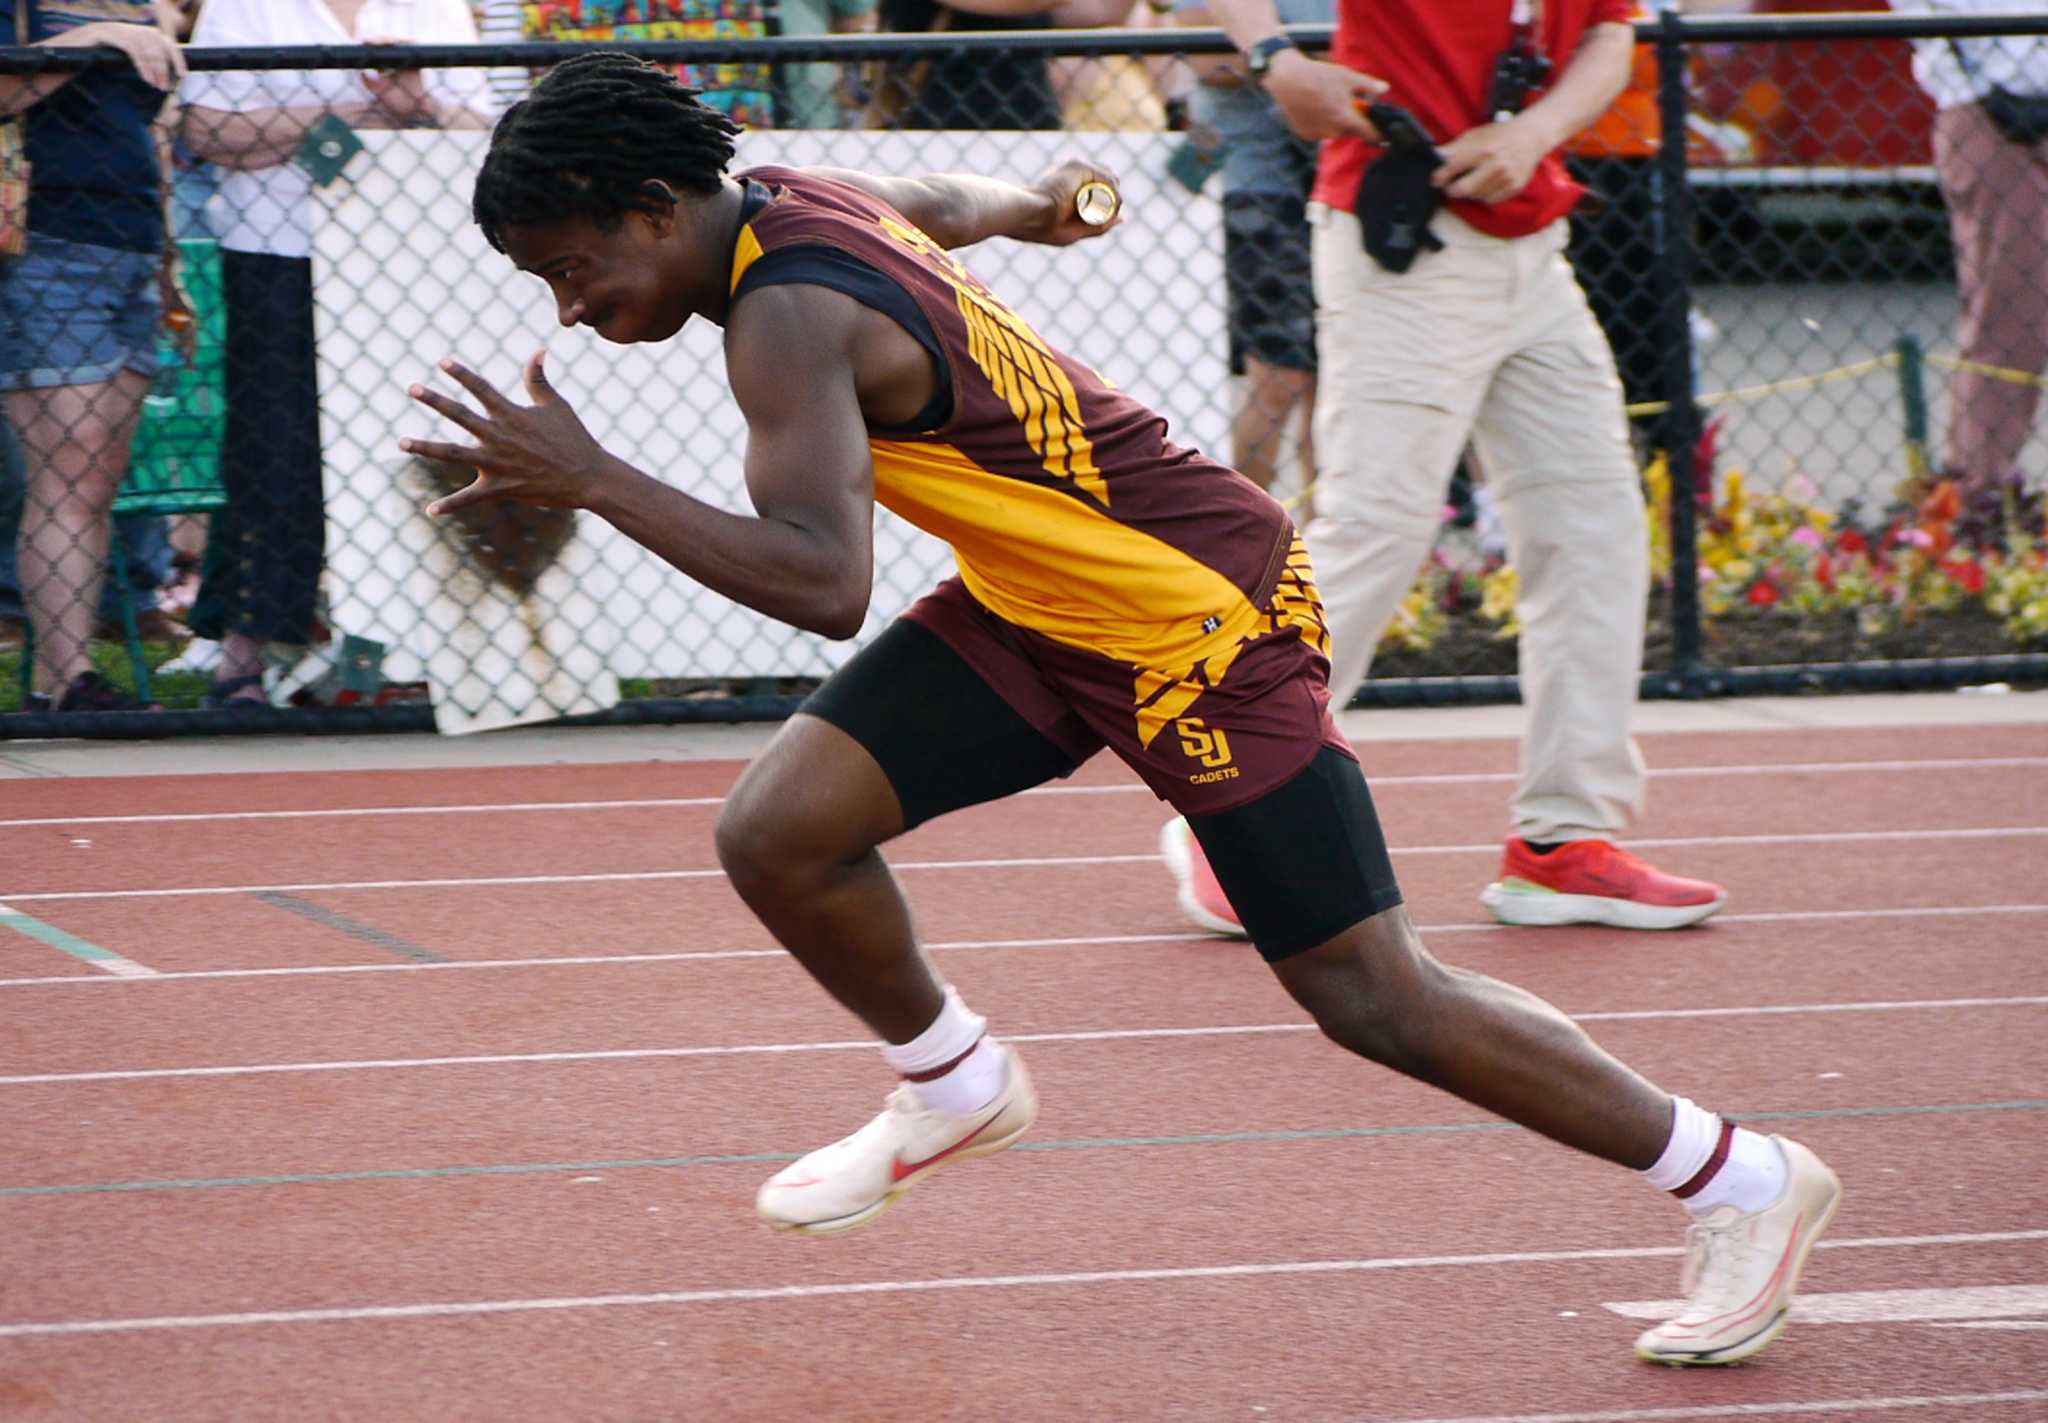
point(1708, 1163)
point(1753, 1176)
point(953, 1064)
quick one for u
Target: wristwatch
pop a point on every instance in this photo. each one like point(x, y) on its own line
point(1259, 58)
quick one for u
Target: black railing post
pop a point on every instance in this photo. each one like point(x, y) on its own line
point(1673, 241)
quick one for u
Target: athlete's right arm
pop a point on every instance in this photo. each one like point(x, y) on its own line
point(804, 557)
point(959, 209)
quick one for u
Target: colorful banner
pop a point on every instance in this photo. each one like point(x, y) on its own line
point(746, 91)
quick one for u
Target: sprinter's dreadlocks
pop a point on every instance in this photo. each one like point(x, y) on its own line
point(597, 130)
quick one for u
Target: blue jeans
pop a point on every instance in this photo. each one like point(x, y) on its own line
point(75, 314)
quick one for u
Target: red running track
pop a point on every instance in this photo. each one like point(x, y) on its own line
point(452, 1106)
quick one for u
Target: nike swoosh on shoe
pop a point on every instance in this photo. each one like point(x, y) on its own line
point(902, 1168)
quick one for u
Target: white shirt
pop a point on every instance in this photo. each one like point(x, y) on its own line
point(1952, 79)
point(268, 209)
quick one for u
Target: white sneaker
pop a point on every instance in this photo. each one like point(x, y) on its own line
point(1201, 898)
point(850, 1182)
point(1741, 1269)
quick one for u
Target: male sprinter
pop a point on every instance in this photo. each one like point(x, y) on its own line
point(1113, 590)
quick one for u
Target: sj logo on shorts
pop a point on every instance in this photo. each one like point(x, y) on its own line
point(1209, 746)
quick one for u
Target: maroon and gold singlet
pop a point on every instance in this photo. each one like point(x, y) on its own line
point(1148, 574)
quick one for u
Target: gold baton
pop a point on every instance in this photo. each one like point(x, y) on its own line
point(1096, 202)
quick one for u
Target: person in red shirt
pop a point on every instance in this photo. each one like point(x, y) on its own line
point(1484, 337)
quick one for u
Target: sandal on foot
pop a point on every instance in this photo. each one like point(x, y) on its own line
point(224, 694)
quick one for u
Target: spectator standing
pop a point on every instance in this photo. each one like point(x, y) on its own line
point(1613, 229)
point(1267, 172)
point(1994, 179)
point(150, 547)
point(814, 96)
point(138, 570)
point(81, 310)
point(1487, 337)
point(1118, 93)
point(267, 547)
point(982, 90)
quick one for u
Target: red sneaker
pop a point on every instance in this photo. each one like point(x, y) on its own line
point(1201, 898)
point(1595, 882)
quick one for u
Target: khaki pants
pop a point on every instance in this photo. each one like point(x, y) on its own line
point(1997, 195)
point(1489, 341)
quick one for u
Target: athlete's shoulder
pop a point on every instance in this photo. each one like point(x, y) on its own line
point(807, 191)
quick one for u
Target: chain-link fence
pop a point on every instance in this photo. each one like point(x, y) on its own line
point(1833, 441)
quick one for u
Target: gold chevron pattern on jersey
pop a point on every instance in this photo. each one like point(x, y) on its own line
point(1020, 368)
point(1163, 696)
point(1027, 565)
point(1296, 603)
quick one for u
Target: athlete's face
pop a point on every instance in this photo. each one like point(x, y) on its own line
point(616, 283)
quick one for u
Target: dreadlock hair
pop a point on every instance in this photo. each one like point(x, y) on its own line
point(597, 132)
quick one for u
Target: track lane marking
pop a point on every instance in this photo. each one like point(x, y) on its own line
point(1998, 1302)
point(65, 942)
point(959, 945)
point(917, 1286)
point(140, 1074)
point(1837, 837)
point(1277, 1136)
point(1826, 1407)
point(1451, 778)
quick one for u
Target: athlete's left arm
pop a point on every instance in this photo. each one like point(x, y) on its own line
point(958, 209)
point(1495, 161)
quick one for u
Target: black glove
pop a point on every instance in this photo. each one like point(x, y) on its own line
point(1396, 200)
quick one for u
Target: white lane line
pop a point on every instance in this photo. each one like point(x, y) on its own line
point(1825, 1407)
point(1837, 837)
point(1458, 778)
point(1883, 1306)
point(867, 1044)
point(880, 1287)
point(1081, 941)
point(503, 881)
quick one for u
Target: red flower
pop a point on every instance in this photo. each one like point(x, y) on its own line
point(1944, 503)
point(1762, 594)
point(1967, 574)
point(1852, 541)
point(1824, 572)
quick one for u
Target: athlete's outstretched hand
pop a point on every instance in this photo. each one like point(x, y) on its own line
point(1062, 184)
point(530, 454)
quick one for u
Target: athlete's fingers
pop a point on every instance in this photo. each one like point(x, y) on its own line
point(448, 454)
point(538, 388)
point(486, 393)
point(454, 409)
point(475, 492)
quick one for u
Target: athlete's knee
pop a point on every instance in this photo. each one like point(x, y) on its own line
point(1384, 1001)
point(748, 843)
point(766, 849)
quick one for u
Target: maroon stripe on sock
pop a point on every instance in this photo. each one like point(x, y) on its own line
point(932, 1073)
point(1714, 1164)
